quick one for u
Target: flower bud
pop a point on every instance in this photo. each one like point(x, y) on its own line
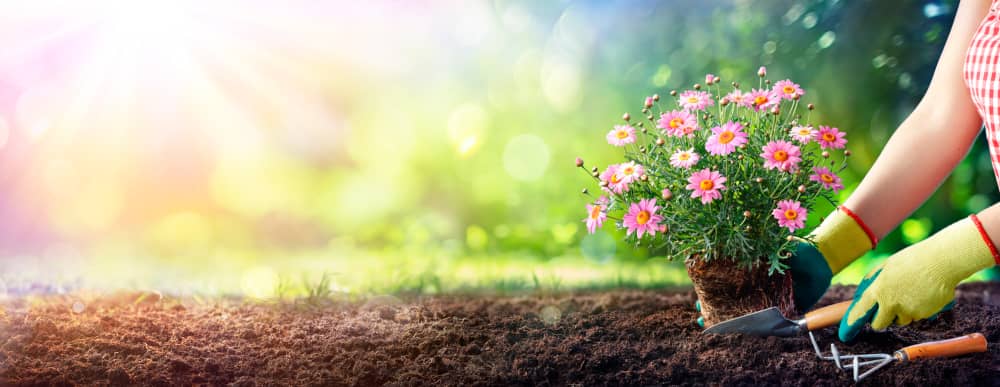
point(724, 101)
point(594, 169)
point(666, 194)
point(704, 116)
point(664, 228)
point(643, 129)
point(585, 191)
point(775, 110)
point(579, 162)
point(767, 82)
point(716, 80)
point(603, 184)
point(645, 110)
point(825, 154)
point(847, 152)
point(673, 93)
point(747, 228)
point(762, 72)
point(789, 238)
point(644, 178)
point(649, 117)
point(802, 189)
point(795, 97)
point(810, 106)
point(759, 179)
point(736, 85)
point(709, 78)
point(746, 214)
point(626, 117)
point(649, 102)
point(642, 150)
point(697, 86)
point(660, 142)
point(595, 174)
point(656, 97)
point(739, 157)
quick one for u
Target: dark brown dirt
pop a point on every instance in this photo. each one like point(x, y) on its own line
point(614, 338)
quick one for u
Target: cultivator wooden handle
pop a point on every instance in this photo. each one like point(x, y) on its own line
point(826, 316)
point(970, 343)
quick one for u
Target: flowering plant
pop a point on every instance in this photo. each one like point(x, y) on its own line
point(716, 173)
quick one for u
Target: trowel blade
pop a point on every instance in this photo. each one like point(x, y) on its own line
point(767, 322)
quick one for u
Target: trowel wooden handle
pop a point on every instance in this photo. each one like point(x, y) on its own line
point(971, 343)
point(826, 316)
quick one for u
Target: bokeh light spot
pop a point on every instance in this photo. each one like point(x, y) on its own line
point(476, 237)
point(526, 157)
point(827, 39)
point(550, 314)
point(915, 230)
point(561, 83)
point(466, 126)
point(662, 76)
point(260, 282)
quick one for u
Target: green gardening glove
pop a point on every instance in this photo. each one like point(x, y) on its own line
point(919, 281)
point(838, 241)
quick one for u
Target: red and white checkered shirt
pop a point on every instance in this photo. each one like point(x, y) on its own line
point(982, 76)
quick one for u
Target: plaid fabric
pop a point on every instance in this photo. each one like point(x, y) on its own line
point(981, 72)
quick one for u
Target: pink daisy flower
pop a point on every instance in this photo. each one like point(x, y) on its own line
point(762, 99)
point(684, 158)
point(603, 200)
point(595, 217)
point(737, 97)
point(674, 122)
point(615, 183)
point(828, 137)
point(695, 100)
point(790, 214)
point(706, 184)
point(802, 134)
point(630, 171)
point(725, 139)
point(828, 179)
point(621, 135)
point(781, 155)
point(788, 89)
point(642, 218)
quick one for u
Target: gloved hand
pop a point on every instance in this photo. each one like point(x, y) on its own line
point(839, 240)
point(919, 281)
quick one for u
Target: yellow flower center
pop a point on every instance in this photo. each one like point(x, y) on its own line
point(760, 100)
point(791, 214)
point(788, 90)
point(642, 217)
point(676, 122)
point(781, 155)
point(614, 178)
point(628, 171)
point(826, 177)
point(726, 137)
point(706, 185)
point(595, 212)
point(621, 134)
point(829, 137)
point(684, 156)
point(692, 99)
point(804, 132)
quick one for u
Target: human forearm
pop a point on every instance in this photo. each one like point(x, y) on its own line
point(911, 167)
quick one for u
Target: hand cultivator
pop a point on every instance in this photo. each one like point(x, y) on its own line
point(957, 346)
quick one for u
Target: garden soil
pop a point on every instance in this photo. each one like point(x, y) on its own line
point(606, 338)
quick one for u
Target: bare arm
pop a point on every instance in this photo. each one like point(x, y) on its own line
point(930, 142)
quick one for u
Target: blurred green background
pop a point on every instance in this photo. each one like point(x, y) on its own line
point(253, 148)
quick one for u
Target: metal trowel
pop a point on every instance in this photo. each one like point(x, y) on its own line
point(770, 322)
